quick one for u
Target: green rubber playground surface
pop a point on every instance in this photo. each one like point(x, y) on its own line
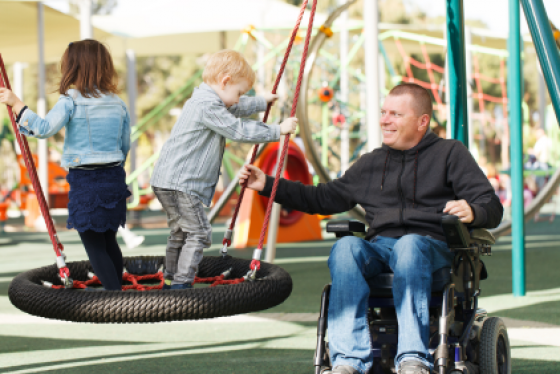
point(279, 340)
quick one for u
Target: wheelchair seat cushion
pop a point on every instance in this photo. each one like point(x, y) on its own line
point(382, 284)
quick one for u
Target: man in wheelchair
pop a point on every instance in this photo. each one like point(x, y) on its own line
point(405, 188)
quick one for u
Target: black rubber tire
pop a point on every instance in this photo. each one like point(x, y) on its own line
point(494, 348)
point(272, 287)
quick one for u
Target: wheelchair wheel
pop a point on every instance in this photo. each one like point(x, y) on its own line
point(495, 353)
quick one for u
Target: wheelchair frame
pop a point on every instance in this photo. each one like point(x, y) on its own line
point(463, 339)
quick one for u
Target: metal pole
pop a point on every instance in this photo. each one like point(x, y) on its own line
point(344, 88)
point(371, 46)
point(381, 77)
point(18, 80)
point(516, 139)
point(18, 90)
point(542, 97)
point(457, 78)
point(325, 134)
point(42, 147)
point(86, 28)
point(363, 109)
point(447, 100)
point(132, 89)
point(469, 80)
point(546, 49)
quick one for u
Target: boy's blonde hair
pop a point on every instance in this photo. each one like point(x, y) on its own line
point(228, 62)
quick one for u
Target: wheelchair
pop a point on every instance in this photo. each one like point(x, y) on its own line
point(463, 339)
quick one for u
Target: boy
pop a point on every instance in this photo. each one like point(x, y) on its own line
point(188, 168)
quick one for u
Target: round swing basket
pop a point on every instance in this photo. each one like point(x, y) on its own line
point(272, 286)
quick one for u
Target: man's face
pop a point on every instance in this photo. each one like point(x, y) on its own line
point(401, 126)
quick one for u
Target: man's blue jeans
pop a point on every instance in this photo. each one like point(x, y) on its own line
point(413, 259)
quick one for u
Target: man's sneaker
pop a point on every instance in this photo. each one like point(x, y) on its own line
point(344, 369)
point(183, 286)
point(166, 284)
point(413, 367)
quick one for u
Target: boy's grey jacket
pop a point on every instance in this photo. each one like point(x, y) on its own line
point(402, 192)
point(190, 159)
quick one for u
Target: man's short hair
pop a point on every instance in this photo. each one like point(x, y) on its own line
point(422, 98)
point(228, 62)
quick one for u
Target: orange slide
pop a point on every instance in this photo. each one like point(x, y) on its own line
point(294, 226)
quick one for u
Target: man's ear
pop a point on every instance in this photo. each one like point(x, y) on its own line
point(423, 122)
point(225, 80)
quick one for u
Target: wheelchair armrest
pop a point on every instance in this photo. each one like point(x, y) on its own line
point(346, 227)
point(456, 233)
point(483, 236)
point(458, 236)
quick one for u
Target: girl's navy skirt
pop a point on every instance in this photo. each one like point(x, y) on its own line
point(97, 199)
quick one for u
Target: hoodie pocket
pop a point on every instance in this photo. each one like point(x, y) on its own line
point(386, 217)
point(422, 217)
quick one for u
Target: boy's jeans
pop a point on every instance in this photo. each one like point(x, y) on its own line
point(412, 258)
point(190, 234)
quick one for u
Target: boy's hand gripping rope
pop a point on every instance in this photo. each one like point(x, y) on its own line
point(229, 232)
point(63, 271)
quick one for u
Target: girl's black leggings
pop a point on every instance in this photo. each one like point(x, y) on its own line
point(105, 257)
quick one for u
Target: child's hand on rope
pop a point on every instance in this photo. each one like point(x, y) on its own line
point(253, 177)
point(9, 98)
point(270, 97)
point(288, 126)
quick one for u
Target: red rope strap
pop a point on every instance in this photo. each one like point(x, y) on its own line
point(256, 263)
point(227, 236)
point(63, 270)
point(136, 279)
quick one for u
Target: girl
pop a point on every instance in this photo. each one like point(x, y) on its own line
point(95, 148)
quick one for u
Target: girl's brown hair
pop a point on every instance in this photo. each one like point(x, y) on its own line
point(88, 66)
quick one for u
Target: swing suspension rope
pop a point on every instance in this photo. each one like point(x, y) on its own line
point(63, 271)
point(255, 263)
point(229, 232)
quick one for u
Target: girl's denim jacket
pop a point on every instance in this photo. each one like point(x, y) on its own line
point(97, 129)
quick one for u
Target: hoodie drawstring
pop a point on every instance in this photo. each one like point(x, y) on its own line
point(415, 176)
point(415, 173)
point(384, 168)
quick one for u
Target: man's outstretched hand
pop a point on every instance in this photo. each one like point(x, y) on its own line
point(461, 209)
point(253, 176)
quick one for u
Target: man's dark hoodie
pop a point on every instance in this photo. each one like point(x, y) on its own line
point(402, 192)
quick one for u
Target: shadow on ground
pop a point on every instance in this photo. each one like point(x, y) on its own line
point(12, 344)
point(545, 312)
